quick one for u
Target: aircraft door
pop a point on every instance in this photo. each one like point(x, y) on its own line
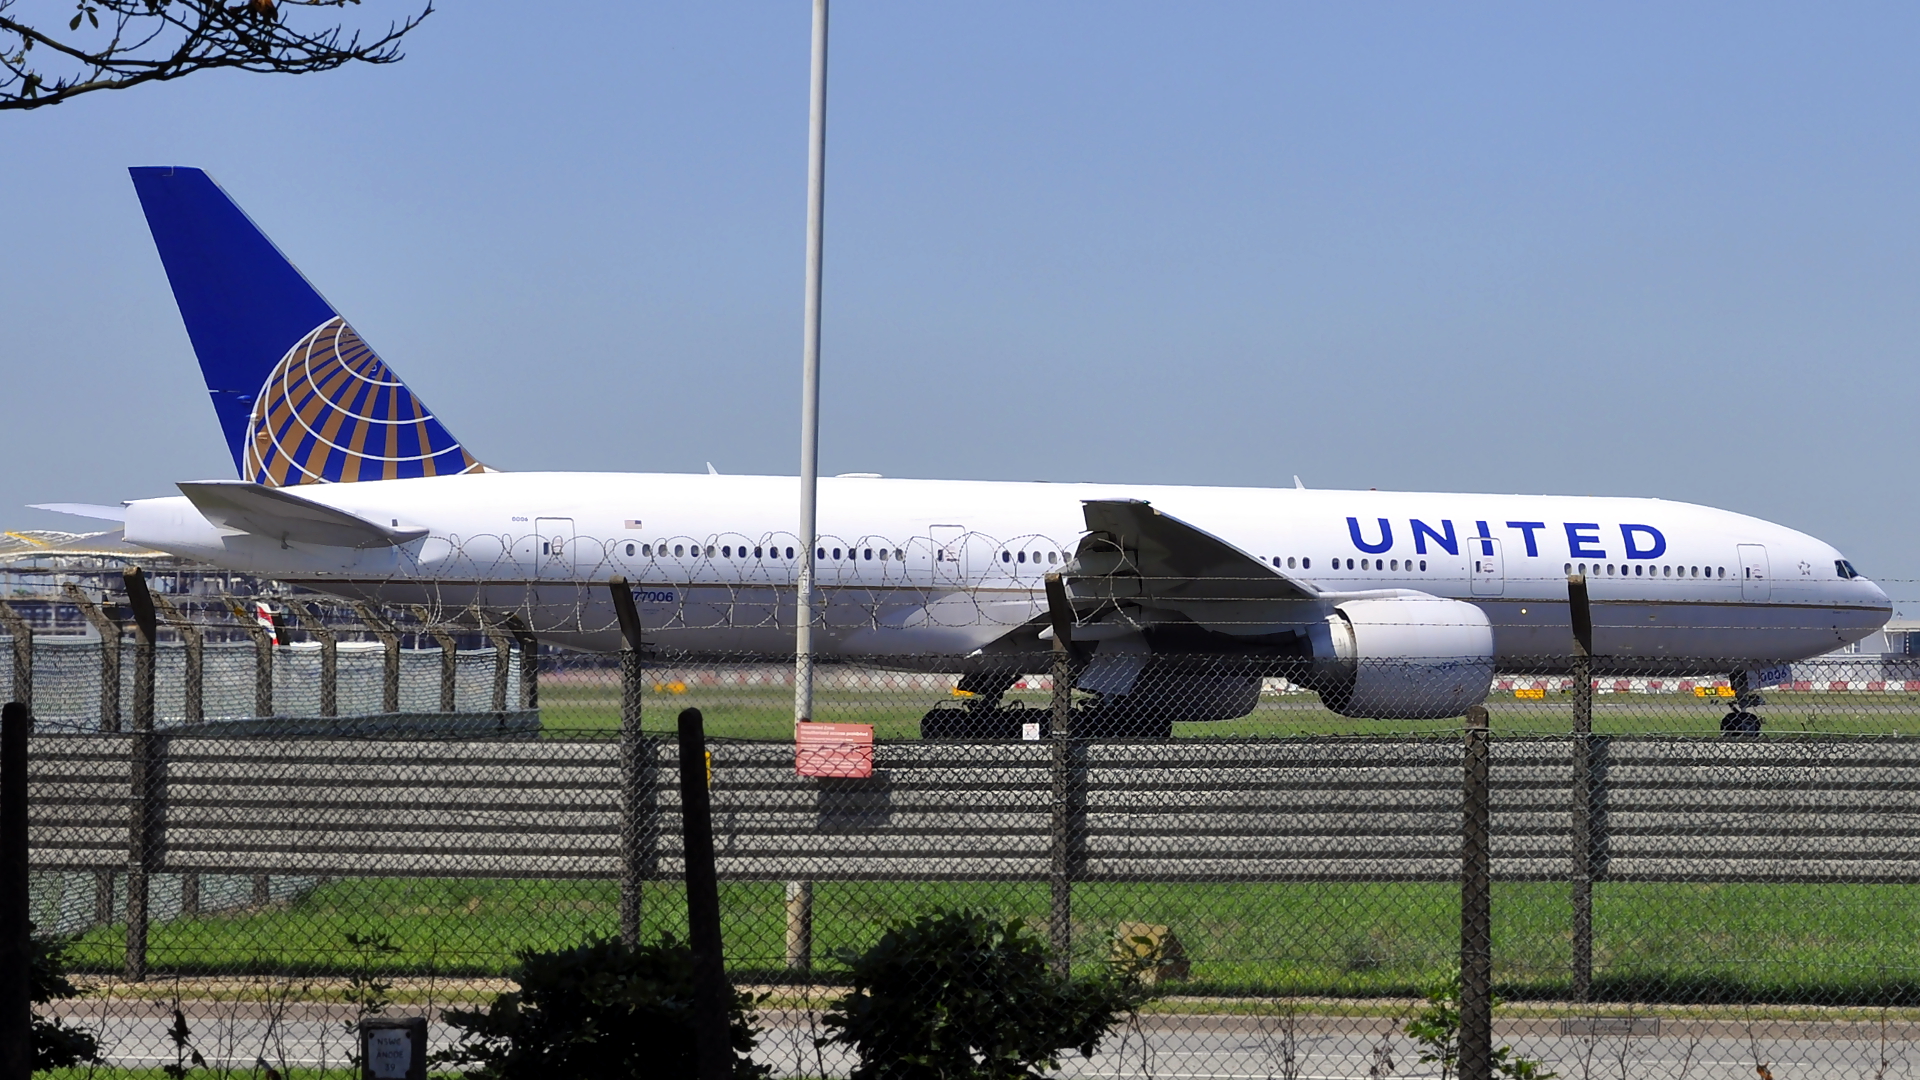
point(1489, 572)
point(554, 553)
point(1753, 573)
point(949, 554)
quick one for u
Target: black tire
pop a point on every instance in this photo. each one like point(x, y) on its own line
point(1740, 724)
point(977, 725)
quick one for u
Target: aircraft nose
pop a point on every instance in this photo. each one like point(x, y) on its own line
point(1880, 596)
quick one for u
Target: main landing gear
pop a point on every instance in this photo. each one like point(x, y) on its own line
point(983, 717)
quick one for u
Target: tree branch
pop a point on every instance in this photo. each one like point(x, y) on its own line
point(159, 40)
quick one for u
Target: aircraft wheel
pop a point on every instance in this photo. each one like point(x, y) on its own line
point(1100, 724)
point(1740, 724)
point(975, 725)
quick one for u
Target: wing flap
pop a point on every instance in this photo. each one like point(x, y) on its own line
point(278, 514)
point(1138, 552)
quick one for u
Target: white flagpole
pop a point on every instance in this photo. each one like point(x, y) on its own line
point(810, 373)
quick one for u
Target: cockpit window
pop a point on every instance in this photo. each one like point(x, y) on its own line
point(1845, 569)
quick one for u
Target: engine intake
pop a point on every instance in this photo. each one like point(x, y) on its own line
point(1405, 658)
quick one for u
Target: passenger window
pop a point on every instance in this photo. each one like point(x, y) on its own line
point(1396, 565)
point(727, 552)
point(1569, 569)
point(1289, 562)
point(1423, 564)
point(1639, 570)
point(709, 551)
point(836, 553)
point(1609, 569)
point(1023, 557)
point(1349, 564)
point(629, 549)
point(869, 554)
point(1723, 571)
point(1306, 564)
point(899, 556)
point(647, 550)
point(1006, 556)
point(679, 549)
point(1051, 556)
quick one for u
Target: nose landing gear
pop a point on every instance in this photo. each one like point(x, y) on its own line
point(1742, 722)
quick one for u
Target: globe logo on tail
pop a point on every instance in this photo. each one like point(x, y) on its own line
point(331, 412)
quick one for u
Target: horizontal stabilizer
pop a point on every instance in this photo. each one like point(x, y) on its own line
point(85, 510)
point(278, 514)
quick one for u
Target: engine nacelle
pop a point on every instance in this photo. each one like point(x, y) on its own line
point(1405, 658)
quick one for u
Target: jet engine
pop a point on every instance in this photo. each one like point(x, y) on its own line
point(1412, 657)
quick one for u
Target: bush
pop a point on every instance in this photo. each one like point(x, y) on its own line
point(56, 1045)
point(1437, 1030)
point(600, 1010)
point(954, 995)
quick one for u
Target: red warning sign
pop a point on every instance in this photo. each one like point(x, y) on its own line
point(833, 749)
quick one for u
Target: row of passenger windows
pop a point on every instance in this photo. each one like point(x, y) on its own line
point(1402, 565)
point(1053, 557)
point(1644, 570)
point(729, 551)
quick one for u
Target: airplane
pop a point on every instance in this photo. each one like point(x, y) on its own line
point(1394, 605)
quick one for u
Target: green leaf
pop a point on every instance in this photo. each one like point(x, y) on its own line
point(75, 23)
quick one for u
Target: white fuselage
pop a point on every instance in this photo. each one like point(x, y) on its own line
point(930, 567)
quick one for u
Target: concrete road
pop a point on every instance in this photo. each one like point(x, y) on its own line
point(1167, 1047)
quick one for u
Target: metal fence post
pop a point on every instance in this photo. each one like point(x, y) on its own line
point(390, 656)
point(22, 633)
point(1476, 923)
point(632, 747)
point(710, 990)
point(329, 659)
point(1066, 792)
point(529, 669)
point(262, 658)
point(449, 657)
point(109, 656)
point(502, 661)
point(16, 1003)
point(140, 808)
point(1580, 613)
point(799, 927)
point(193, 677)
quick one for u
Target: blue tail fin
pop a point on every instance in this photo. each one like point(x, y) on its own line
point(301, 398)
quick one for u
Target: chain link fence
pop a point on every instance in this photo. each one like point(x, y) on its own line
point(1667, 893)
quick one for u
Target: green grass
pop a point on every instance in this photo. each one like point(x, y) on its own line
point(587, 705)
point(1672, 943)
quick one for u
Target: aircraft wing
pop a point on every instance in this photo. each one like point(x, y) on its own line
point(1135, 552)
point(278, 514)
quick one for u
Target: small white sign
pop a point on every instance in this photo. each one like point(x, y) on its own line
point(389, 1053)
point(1030, 732)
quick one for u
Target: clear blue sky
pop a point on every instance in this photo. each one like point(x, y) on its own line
point(1666, 250)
